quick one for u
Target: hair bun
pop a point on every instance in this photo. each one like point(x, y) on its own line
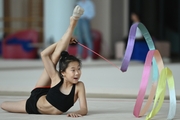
point(64, 54)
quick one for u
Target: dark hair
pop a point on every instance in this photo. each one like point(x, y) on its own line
point(64, 61)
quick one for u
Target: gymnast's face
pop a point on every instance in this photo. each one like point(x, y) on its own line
point(72, 72)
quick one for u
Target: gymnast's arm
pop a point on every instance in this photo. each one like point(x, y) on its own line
point(49, 66)
point(62, 45)
point(82, 102)
point(57, 49)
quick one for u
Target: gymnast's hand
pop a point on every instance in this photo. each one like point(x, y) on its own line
point(74, 115)
point(73, 40)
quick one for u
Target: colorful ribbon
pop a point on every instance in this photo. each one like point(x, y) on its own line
point(131, 39)
point(130, 46)
point(160, 90)
point(166, 74)
point(158, 67)
point(146, 72)
point(143, 86)
point(145, 77)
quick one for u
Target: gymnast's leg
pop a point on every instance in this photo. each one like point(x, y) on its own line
point(17, 106)
point(60, 46)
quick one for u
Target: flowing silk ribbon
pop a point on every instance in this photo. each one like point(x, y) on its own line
point(165, 73)
point(144, 83)
point(131, 41)
point(151, 54)
point(147, 66)
point(161, 88)
point(146, 72)
point(130, 46)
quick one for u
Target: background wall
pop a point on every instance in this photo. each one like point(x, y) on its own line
point(56, 18)
point(102, 22)
point(112, 21)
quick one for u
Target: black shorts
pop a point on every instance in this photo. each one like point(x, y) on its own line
point(31, 106)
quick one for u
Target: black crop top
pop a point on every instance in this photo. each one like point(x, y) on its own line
point(59, 100)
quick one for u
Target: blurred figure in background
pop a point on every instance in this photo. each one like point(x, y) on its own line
point(135, 19)
point(83, 30)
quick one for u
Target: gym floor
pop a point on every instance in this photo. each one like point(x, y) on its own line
point(99, 109)
point(110, 95)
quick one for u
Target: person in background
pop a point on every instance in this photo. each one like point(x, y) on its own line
point(83, 30)
point(135, 19)
point(140, 47)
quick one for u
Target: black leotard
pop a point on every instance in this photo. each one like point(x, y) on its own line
point(59, 100)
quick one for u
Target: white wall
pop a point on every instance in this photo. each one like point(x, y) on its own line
point(56, 17)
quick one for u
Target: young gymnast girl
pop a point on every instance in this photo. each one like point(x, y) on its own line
point(56, 90)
